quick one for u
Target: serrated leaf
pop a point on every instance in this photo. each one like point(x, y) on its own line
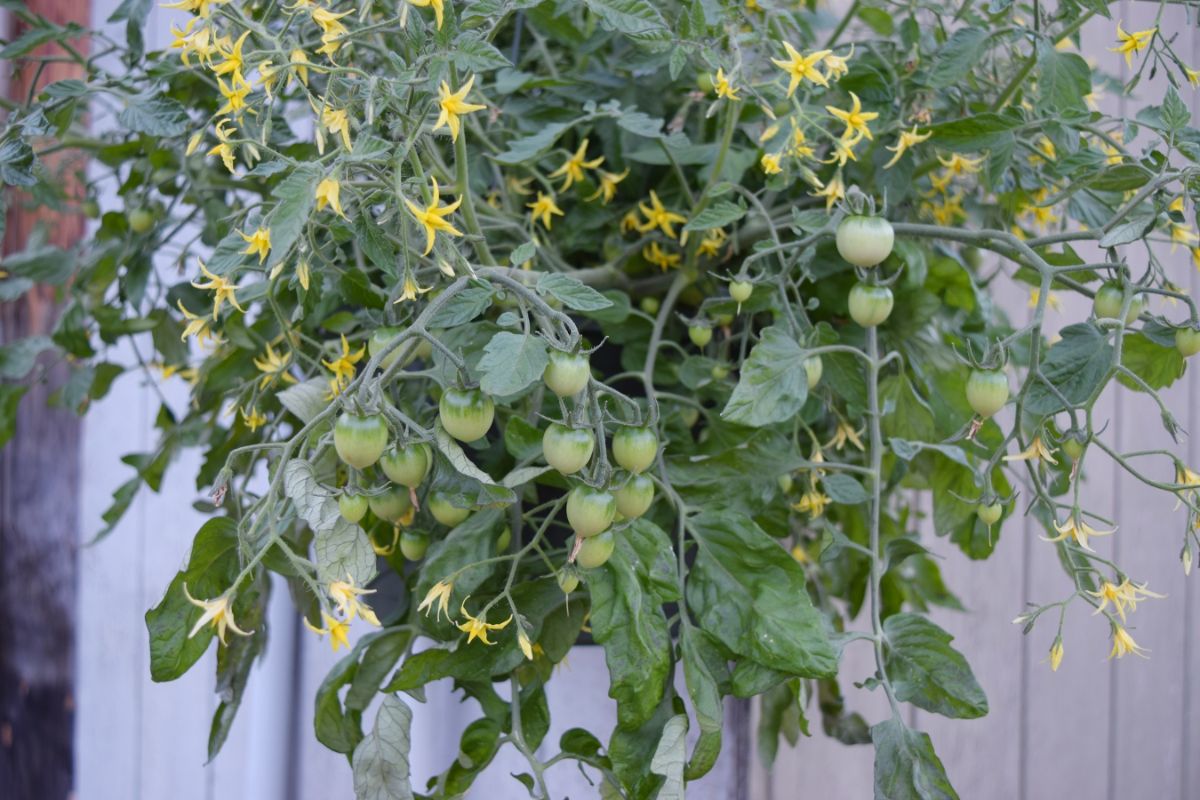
point(1075, 366)
point(669, 757)
point(571, 292)
point(1133, 229)
point(511, 363)
point(773, 385)
point(529, 148)
point(843, 488)
point(906, 767)
point(473, 54)
point(381, 760)
point(155, 115)
point(18, 358)
point(341, 547)
point(957, 56)
point(926, 671)
point(296, 195)
point(305, 400)
point(463, 307)
point(637, 19)
point(1064, 79)
point(717, 215)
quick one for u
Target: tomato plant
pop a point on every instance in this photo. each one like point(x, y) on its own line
point(391, 256)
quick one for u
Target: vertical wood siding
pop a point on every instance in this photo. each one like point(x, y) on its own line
point(1094, 729)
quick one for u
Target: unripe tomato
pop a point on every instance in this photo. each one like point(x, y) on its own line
point(380, 339)
point(504, 539)
point(635, 448)
point(1073, 444)
point(392, 505)
point(785, 482)
point(723, 319)
point(1187, 341)
point(352, 506)
point(596, 551)
point(444, 511)
point(870, 305)
point(566, 374)
point(700, 334)
point(635, 497)
point(590, 511)
point(719, 372)
point(568, 579)
point(704, 81)
point(360, 439)
point(91, 209)
point(413, 544)
point(141, 220)
point(407, 466)
point(690, 416)
point(466, 414)
point(989, 514)
point(987, 391)
point(865, 241)
point(650, 305)
point(740, 291)
point(813, 368)
point(1109, 299)
point(568, 450)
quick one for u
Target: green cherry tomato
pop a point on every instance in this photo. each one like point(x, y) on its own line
point(813, 368)
point(989, 513)
point(719, 372)
point(392, 505)
point(987, 391)
point(650, 305)
point(1073, 444)
point(444, 511)
point(568, 577)
point(360, 439)
point(413, 544)
point(596, 551)
point(740, 291)
point(689, 416)
point(1187, 341)
point(141, 220)
point(635, 497)
point(700, 334)
point(635, 448)
point(466, 414)
point(566, 374)
point(865, 241)
point(785, 482)
point(1109, 299)
point(590, 511)
point(870, 305)
point(568, 450)
point(352, 506)
point(91, 209)
point(504, 539)
point(407, 466)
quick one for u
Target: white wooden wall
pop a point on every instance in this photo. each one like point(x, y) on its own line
point(1094, 729)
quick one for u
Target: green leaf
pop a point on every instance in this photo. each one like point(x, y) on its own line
point(1064, 79)
point(463, 307)
point(305, 400)
point(906, 415)
point(637, 19)
point(472, 53)
point(843, 488)
point(296, 195)
point(342, 548)
point(717, 215)
point(511, 363)
point(18, 358)
point(1075, 366)
point(337, 728)
point(773, 385)
point(1157, 365)
point(701, 662)
point(1175, 113)
point(957, 57)
point(10, 398)
point(154, 115)
point(16, 162)
point(669, 756)
point(627, 618)
point(571, 292)
point(927, 672)
point(532, 147)
point(750, 595)
point(906, 768)
point(877, 19)
point(210, 571)
point(1133, 229)
point(234, 662)
point(35, 37)
point(45, 264)
point(470, 542)
point(381, 760)
point(981, 132)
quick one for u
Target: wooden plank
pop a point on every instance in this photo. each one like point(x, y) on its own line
point(1190, 700)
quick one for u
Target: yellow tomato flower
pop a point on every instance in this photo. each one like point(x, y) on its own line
point(812, 503)
point(657, 216)
point(1052, 301)
point(197, 326)
point(439, 595)
point(800, 67)
point(542, 208)
point(345, 595)
point(856, 119)
point(202, 8)
point(712, 243)
point(332, 30)
point(222, 289)
point(273, 365)
point(958, 164)
point(218, 613)
point(1122, 595)
point(299, 64)
point(337, 122)
point(1183, 235)
point(478, 627)
point(1037, 449)
point(232, 62)
point(235, 93)
point(1193, 76)
point(907, 139)
point(845, 433)
point(723, 87)
point(253, 419)
point(1056, 654)
point(843, 151)
point(438, 8)
point(525, 645)
point(572, 169)
point(336, 628)
point(1130, 43)
point(411, 289)
point(833, 191)
point(1123, 644)
point(453, 105)
point(258, 243)
point(188, 42)
point(630, 223)
point(608, 185)
point(659, 257)
point(771, 163)
point(837, 66)
point(343, 368)
point(224, 130)
point(329, 193)
point(1075, 529)
point(433, 216)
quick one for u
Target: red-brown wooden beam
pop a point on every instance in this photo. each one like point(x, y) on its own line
point(39, 489)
